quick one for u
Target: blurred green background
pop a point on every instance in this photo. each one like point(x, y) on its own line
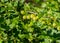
point(29, 21)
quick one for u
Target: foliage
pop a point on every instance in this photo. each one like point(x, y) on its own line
point(22, 22)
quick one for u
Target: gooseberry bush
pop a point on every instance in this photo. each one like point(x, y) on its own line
point(22, 22)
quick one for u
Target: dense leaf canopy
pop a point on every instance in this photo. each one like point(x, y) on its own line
point(34, 22)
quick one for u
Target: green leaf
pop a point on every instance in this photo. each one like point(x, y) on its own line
point(0, 40)
point(22, 36)
point(7, 21)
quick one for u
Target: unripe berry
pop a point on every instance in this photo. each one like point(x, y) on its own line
point(32, 15)
point(22, 12)
point(28, 17)
point(24, 17)
point(58, 28)
point(54, 24)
